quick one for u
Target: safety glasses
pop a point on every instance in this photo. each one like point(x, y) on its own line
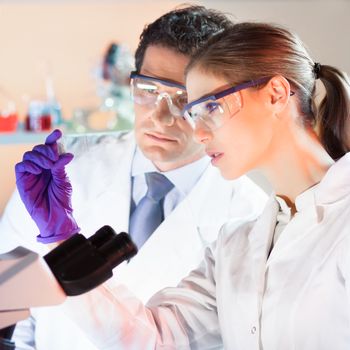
point(149, 92)
point(216, 109)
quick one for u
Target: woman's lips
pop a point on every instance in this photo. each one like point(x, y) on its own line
point(160, 137)
point(215, 156)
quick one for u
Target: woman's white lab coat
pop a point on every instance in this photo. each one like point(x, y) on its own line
point(295, 298)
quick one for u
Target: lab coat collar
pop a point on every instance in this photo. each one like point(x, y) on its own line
point(306, 199)
point(321, 199)
point(335, 185)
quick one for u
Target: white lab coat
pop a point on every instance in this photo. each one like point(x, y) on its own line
point(101, 183)
point(295, 298)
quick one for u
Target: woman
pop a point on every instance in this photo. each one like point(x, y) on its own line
point(288, 272)
point(281, 282)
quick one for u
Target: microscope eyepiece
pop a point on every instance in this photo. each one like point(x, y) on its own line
point(80, 264)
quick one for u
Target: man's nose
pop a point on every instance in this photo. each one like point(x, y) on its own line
point(162, 112)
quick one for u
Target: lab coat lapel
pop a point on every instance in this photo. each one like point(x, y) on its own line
point(210, 198)
point(190, 224)
point(108, 200)
point(260, 239)
point(160, 261)
point(182, 227)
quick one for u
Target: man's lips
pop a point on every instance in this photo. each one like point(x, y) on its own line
point(160, 137)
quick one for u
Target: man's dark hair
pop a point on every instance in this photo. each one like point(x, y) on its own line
point(184, 30)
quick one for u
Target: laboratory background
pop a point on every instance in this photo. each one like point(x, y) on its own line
point(66, 63)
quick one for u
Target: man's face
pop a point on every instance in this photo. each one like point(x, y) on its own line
point(165, 139)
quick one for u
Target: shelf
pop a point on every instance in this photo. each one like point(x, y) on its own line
point(21, 137)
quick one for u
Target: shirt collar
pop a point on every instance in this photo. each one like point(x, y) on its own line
point(183, 178)
point(141, 164)
point(284, 214)
point(305, 200)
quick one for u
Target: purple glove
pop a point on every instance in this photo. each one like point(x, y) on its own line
point(46, 191)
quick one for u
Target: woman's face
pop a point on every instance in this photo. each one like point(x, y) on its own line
point(245, 139)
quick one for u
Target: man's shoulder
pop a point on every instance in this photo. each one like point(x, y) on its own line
point(82, 144)
point(100, 154)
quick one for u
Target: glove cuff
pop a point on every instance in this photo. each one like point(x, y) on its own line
point(57, 238)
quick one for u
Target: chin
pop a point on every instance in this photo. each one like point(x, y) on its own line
point(158, 154)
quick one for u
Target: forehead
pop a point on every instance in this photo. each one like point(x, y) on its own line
point(164, 63)
point(200, 83)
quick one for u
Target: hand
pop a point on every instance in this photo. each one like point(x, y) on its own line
point(45, 190)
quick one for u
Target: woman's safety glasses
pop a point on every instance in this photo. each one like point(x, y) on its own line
point(149, 92)
point(216, 109)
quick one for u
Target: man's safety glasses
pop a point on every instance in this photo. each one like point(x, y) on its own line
point(216, 109)
point(149, 92)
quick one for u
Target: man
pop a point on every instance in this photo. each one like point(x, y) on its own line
point(108, 180)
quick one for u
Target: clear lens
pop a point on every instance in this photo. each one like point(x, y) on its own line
point(144, 92)
point(214, 113)
point(148, 93)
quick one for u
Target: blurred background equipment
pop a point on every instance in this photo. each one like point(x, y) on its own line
point(115, 111)
point(8, 112)
point(38, 117)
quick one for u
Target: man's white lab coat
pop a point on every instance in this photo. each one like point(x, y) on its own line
point(101, 182)
point(297, 297)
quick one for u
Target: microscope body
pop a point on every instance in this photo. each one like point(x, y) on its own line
point(25, 281)
point(74, 267)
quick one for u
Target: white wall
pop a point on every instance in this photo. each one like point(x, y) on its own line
point(324, 26)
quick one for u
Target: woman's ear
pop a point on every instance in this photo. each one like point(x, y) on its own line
point(278, 89)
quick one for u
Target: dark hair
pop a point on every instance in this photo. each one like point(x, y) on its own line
point(184, 30)
point(248, 51)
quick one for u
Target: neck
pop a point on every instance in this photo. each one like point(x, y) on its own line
point(299, 162)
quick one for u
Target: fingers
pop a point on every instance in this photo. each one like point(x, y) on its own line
point(44, 157)
point(51, 141)
point(46, 151)
point(34, 161)
point(53, 137)
point(39, 159)
point(63, 160)
point(58, 170)
point(28, 167)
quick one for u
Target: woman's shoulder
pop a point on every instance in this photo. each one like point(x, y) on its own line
point(239, 229)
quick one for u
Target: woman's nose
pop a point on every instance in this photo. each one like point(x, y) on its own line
point(202, 133)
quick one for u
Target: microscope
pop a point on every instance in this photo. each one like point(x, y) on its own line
point(74, 267)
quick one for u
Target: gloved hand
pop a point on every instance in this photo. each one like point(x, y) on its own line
point(45, 190)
